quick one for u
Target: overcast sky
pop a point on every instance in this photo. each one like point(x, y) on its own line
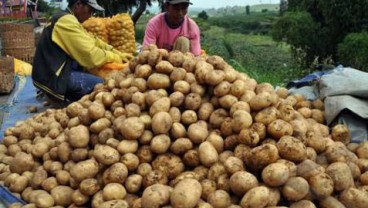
point(224, 3)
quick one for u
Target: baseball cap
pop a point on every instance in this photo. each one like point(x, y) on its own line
point(178, 1)
point(95, 5)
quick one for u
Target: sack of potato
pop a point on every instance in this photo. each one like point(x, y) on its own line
point(182, 131)
point(117, 31)
point(97, 27)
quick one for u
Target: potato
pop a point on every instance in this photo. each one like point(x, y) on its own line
point(106, 155)
point(89, 186)
point(208, 187)
point(262, 156)
point(155, 196)
point(227, 101)
point(78, 136)
point(242, 181)
point(177, 74)
point(295, 189)
point(84, 169)
point(161, 105)
point(207, 154)
point(292, 149)
point(219, 199)
point(188, 192)
point(275, 174)
point(73, 109)
point(144, 154)
point(255, 197)
point(62, 195)
point(233, 165)
point(160, 144)
point(96, 111)
point(303, 204)
point(170, 164)
point(161, 123)
point(154, 177)
point(114, 204)
point(341, 176)
point(49, 184)
point(241, 120)
point(197, 132)
point(19, 184)
point(44, 200)
point(192, 101)
point(274, 196)
point(279, 128)
point(354, 198)
point(266, 116)
point(99, 125)
point(133, 183)
point(309, 168)
point(116, 173)
point(181, 146)
point(131, 128)
point(158, 81)
point(130, 160)
point(321, 184)
point(341, 133)
point(113, 191)
point(22, 162)
point(331, 202)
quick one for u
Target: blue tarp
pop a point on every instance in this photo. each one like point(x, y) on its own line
point(22, 97)
point(7, 198)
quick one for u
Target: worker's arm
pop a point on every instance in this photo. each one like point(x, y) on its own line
point(88, 51)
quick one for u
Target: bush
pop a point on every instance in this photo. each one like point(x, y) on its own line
point(353, 51)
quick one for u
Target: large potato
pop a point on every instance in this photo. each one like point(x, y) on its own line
point(131, 128)
point(155, 196)
point(106, 155)
point(242, 181)
point(256, 197)
point(84, 169)
point(292, 149)
point(186, 193)
point(275, 174)
point(207, 154)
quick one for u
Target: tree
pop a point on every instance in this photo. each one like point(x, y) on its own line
point(283, 7)
point(118, 6)
point(247, 10)
point(331, 20)
point(203, 15)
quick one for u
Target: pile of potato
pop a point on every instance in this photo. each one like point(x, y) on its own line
point(117, 31)
point(183, 131)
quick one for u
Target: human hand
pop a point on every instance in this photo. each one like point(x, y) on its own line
point(125, 57)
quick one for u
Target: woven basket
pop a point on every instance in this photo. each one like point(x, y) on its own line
point(18, 41)
point(6, 74)
point(9, 27)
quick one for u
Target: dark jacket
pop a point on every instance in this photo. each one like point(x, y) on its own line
point(51, 65)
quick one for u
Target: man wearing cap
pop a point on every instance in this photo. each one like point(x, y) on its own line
point(66, 51)
point(173, 29)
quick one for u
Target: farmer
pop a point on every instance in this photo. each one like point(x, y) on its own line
point(173, 29)
point(66, 52)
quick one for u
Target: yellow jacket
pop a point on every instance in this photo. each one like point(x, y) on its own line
point(90, 52)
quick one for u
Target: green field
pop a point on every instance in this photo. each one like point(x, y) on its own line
point(252, 53)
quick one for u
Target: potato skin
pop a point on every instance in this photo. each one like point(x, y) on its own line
point(255, 197)
point(155, 196)
point(186, 194)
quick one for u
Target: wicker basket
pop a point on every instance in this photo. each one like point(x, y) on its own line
point(6, 74)
point(10, 27)
point(18, 41)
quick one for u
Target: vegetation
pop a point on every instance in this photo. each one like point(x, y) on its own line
point(316, 27)
point(353, 51)
point(245, 48)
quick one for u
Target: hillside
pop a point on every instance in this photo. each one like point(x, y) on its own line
point(194, 10)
